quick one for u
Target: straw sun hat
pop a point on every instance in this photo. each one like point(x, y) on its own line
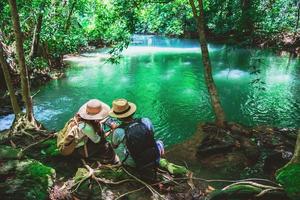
point(94, 109)
point(121, 108)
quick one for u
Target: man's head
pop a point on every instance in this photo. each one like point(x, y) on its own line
point(122, 109)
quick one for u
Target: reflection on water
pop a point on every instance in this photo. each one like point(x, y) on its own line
point(164, 77)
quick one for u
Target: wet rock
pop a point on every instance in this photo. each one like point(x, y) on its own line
point(5, 104)
point(226, 163)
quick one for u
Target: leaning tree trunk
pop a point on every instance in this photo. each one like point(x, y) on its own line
point(218, 110)
point(36, 37)
point(21, 60)
point(4, 65)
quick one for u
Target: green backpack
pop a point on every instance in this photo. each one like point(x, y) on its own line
point(65, 144)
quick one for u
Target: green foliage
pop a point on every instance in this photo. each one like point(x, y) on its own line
point(37, 63)
point(69, 25)
point(289, 178)
point(49, 148)
point(172, 18)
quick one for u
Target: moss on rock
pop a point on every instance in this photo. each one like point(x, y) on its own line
point(289, 178)
point(25, 179)
point(7, 152)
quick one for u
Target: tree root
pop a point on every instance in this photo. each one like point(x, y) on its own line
point(245, 188)
point(130, 192)
point(38, 142)
point(151, 189)
point(252, 184)
point(23, 132)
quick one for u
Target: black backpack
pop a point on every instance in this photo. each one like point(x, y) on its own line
point(140, 144)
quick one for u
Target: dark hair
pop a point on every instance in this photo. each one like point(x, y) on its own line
point(93, 123)
point(130, 117)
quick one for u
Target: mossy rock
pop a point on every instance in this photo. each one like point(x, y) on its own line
point(25, 179)
point(289, 178)
point(112, 174)
point(7, 153)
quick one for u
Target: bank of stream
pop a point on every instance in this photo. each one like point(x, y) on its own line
point(164, 77)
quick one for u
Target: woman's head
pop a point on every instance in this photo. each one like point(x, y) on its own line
point(94, 110)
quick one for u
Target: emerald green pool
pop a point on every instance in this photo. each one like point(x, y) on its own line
point(164, 77)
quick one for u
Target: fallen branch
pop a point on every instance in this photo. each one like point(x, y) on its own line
point(266, 191)
point(109, 182)
point(252, 184)
point(38, 142)
point(35, 94)
point(152, 190)
point(130, 192)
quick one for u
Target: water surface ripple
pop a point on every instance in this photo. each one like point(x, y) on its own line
point(164, 77)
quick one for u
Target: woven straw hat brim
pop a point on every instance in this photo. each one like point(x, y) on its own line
point(101, 115)
point(124, 115)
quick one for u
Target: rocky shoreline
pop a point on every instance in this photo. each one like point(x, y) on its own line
point(217, 155)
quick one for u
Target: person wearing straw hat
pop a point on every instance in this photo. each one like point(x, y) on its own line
point(134, 137)
point(85, 135)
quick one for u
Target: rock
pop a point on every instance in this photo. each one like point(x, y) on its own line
point(24, 179)
point(7, 152)
point(225, 163)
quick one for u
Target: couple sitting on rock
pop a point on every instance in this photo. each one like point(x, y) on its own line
point(85, 136)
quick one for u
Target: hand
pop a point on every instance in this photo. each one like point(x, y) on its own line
point(113, 126)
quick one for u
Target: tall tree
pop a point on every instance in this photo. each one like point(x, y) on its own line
point(246, 18)
point(199, 17)
point(21, 60)
point(36, 33)
point(5, 67)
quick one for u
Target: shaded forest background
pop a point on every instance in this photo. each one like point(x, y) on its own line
point(53, 28)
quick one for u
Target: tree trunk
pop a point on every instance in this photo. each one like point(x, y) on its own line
point(21, 60)
point(296, 156)
point(217, 108)
point(246, 18)
point(36, 37)
point(298, 17)
point(4, 65)
point(68, 22)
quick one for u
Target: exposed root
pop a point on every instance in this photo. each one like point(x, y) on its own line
point(151, 189)
point(130, 192)
point(38, 142)
point(24, 133)
point(252, 184)
point(266, 191)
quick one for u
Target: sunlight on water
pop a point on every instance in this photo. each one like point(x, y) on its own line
point(6, 121)
point(164, 77)
point(232, 74)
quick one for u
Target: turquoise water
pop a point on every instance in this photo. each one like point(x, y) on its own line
point(164, 77)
